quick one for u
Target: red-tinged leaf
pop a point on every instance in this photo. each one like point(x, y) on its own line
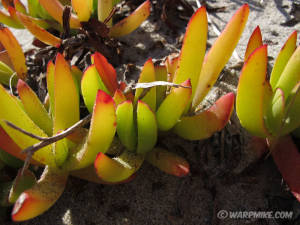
point(286, 64)
point(66, 96)
point(90, 84)
point(171, 64)
point(14, 51)
point(34, 108)
point(83, 9)
point(206, 123)
point(254, 93)
point(146, 128)
point(193, 50)
point(171, 109)
point(107, 72)
point(117, 169)
point(40, 33)
point(126, 125)
point(10, 21)
point(147, 75)
point(101, 133)
point(23, 181)
point(254, 42)
point(12, 112)
point(13, 14)
point(105, 7)
point(20, 7)
point(50, 85)
point(131, 22)
point(220, 53)
point(8, 145)
point(38, 199)
point(119, 97)
point(287, 159)
point(160, 75)
point(89, 174)
point(168, 162)
point(55, 9)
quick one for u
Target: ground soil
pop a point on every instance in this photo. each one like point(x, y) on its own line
point(225, 173)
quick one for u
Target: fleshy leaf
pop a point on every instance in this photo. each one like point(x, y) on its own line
point(254, 42)
point(254, 93)
point(12, 112)
point(34, 108)
point(119, 97)
point(83, 9)
point(66, 96)
point(10, 160)
point(14, 51)
point(40, 33)
point(9, 146)
point(287, 159)
point(19, 6)
point(90, 84)
point(117, 169)
point(131, 22)
point(160, 75)
point(193, 50)
point(101, 133)
point(9, 21)
point(171, 65)
point(275, 113)
point(5, 73)
point(290, 76)
point(22, 182)
point(146, 128)
point(107, 72)
point(50, 85)
point(171, 109)
point(126, 125)
point(204, 124)
point(292, 119)
point(55, 9)
point(104, 9)
point(77, 75)
point(220, 53)
point(147, 75)
point(168, 162)
point(41, 196)
point(282, 59)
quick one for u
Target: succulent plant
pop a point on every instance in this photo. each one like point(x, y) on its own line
point(270, 108)
point(43, 14)
point(125, 121)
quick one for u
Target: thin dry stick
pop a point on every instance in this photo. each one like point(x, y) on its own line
point(46, 141)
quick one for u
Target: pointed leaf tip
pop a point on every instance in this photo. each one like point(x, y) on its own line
point(254, 42)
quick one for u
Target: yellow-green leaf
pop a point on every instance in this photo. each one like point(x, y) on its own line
point(254, 93)
point(220, 53)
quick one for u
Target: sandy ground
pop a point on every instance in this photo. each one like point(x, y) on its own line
point(232, 183)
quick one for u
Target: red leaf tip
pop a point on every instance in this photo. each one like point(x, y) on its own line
point(103, 97)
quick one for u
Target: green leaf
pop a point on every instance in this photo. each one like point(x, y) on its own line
point(90, 84)
point(254, 93)
point(146, 128)
point(171, 109)
point(117, 169)
point(206, 123)
point(125, 125)
point(282, 59)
